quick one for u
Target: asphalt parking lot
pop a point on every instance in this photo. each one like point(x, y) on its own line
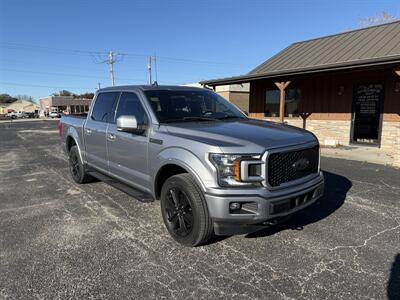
point(63, 240)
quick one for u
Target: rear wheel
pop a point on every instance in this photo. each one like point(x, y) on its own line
point(185, 211)
point(76, 167)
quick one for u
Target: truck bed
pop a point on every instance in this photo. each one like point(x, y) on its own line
point(82, 115)
point(77, 122)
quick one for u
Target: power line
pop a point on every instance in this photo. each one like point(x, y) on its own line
point(92, 53)
point(65, 66)
point(65, 74)
point(112, 58)
point(45, 86)
point(21, 46)
point(185, 60)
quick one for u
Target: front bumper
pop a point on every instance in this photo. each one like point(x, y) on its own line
point(257, 211)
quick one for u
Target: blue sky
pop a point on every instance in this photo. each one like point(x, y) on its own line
point(49, 45)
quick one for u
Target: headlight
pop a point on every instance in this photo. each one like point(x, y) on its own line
point(237, 170)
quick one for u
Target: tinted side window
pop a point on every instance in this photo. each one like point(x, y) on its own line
point(104, 107)
point(130, 105)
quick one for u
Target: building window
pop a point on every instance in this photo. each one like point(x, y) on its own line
point(292, 102)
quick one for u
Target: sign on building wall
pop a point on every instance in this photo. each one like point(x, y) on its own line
point(367, 109)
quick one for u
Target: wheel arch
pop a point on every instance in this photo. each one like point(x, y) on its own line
point(177, 161)
point(72, 139)
point(163, 174)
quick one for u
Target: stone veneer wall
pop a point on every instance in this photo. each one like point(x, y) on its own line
point(325, 130)
point(337, 130)
point(390, 140)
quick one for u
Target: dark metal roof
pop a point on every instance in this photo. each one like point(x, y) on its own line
point(362, 47)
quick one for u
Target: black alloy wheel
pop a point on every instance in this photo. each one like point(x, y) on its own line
point(185, 212)
point(77, 169)
point(179, 212)
point(74, 166)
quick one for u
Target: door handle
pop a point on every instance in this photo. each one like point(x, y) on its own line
point(111, 136)
point(88, 131)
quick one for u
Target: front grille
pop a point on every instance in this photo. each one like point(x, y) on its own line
point(286, 205)
point(291, 165)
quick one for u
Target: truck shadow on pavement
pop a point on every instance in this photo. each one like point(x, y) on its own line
point(336, 188)
point(393, 288)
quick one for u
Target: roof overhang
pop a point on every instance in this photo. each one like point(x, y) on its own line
point(304, 71)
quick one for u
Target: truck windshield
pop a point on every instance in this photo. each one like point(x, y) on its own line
point(190, 105)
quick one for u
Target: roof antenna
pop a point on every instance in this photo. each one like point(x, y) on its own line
point(155, 83)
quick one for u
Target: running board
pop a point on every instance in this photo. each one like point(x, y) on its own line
point(135, 193)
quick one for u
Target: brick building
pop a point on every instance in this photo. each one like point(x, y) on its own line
point(345, 88)
point(67, 104)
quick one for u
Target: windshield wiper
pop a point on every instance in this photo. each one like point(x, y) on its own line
point(189, 119)
point(199, 119)
point(230, 117)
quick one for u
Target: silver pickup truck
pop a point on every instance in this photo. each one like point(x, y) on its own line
point(214, 170)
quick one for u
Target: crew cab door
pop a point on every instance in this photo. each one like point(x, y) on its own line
point(96, 128)
point(127, 152)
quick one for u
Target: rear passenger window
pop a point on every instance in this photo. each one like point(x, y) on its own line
point(104, 107)
point(130, 105)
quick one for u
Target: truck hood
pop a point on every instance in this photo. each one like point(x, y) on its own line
point(248, 135)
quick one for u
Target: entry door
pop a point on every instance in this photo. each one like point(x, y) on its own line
point(367, 113)
point(127, 152)
point(96, 128)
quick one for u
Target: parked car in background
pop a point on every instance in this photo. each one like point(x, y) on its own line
point(16, 114)
point(12, 115)
point(215, 170)
point(33, 115)
point(54, 114)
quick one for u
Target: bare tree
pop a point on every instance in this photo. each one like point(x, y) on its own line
point(63, 93)
point(24, 97)
point(377, 19)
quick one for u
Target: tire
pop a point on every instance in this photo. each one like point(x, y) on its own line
point(191, 213)
point(76, 167)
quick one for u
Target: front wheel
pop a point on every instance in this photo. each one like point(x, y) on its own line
point(185, 211)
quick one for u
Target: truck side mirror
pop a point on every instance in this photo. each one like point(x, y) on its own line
point(128, 124)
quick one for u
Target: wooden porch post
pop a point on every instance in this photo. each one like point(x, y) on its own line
point(282, 86)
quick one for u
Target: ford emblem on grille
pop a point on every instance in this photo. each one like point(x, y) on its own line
point(301, 164)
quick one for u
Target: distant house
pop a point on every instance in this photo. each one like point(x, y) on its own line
point(67, 104)
point(345, 88)
point(238, 94)
point(21, 105)
point(2, 107)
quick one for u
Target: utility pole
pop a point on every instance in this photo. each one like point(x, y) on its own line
point(99, 85)
point(155, 67)
point(149, 70)
point(111, 62)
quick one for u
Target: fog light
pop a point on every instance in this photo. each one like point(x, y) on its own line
point(318, 192)
point(235, 206)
